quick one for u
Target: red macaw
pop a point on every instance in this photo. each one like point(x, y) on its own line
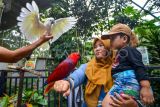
point(62, 70)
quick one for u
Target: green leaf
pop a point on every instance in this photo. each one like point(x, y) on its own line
point(43, 102)
point(4, 102)
point(35, 96)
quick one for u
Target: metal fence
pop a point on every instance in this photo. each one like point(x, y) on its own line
point(9, 84)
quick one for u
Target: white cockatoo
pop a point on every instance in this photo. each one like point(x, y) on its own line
point(30, 25)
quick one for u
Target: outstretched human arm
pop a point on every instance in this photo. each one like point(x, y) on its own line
point(10, 56)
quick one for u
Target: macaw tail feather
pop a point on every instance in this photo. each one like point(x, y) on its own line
point(48, 88)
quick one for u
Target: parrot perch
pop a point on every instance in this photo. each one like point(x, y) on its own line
point(30, 25)
point(62, 70)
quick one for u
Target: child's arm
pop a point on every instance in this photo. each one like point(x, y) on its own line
point(146, 93)
point(145, 83)
point(135, 58)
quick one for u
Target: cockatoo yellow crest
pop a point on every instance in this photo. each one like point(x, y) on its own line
point(30, 25)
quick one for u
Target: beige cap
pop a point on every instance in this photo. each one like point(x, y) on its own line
point(118, 28)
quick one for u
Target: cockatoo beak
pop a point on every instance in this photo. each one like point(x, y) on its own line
point(52, 22)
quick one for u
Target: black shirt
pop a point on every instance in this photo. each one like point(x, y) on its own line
point(129, 58)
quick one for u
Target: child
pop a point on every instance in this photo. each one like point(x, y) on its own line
point(128, 70)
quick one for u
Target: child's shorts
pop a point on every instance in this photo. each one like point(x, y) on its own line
point(125, 83)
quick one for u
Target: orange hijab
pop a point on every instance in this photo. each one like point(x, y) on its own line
point(98, 73)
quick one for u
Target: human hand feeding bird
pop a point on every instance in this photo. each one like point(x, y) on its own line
point(62, 70)
point(30, 25)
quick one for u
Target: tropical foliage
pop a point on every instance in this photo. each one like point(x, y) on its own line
point(30, 98)
point(94, 17)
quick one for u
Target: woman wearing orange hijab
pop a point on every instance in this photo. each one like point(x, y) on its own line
point(96, 75)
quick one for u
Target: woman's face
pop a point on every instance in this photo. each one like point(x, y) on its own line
point(99, 50)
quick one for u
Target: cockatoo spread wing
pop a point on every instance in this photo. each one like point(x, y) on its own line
point(29, 22)
point(61, 26)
